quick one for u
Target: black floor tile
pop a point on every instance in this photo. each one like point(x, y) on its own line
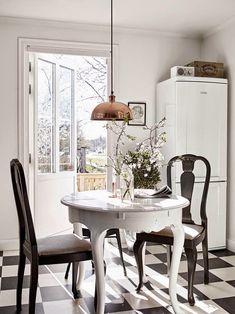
point(162, 257)
point(228, 304)
point(53, 294)
point(117, 305)
point(9, 283)
point(222, 253)
point(10, 260)
point(198, 295)
point(126, 251)
point(231, 282)
point(215, 263)
point(160, 268)
point(0, 271)
point(155, 310)
point(199, 277)
point(25, 309)
point(1, 253)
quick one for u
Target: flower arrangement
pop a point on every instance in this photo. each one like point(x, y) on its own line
point(145, 160)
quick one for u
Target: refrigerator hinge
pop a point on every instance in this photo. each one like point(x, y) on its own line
point(30, 158)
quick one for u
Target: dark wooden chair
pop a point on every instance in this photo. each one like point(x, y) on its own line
point(51, 250)
point(111, 233)
point(194, 233)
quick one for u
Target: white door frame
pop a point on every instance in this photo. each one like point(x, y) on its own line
point(26, 45)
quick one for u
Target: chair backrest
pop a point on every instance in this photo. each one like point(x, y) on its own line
point(187, 180)
point(26, 228)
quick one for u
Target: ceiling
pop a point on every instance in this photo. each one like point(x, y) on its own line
point(188, 17)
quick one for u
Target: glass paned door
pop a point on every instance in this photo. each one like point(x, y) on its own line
point(55, 143)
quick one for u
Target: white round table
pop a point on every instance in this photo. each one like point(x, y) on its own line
point(100, 212)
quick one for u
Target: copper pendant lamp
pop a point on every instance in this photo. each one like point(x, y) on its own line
point(111, 110)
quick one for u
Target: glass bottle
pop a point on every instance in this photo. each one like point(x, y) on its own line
point(127, 183)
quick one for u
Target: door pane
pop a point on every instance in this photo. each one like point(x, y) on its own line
point(91, 80)
point(45, 131)
point(65, 118)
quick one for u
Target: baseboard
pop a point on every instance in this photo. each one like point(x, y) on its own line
point(231, 245)
point(9, 244)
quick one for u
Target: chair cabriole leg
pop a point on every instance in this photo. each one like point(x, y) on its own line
point(192, 260)
point(138, 251)
point(120, 251)
point(74, 279)
point(205, 259)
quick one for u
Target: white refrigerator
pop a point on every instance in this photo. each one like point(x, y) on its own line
point(196, 123)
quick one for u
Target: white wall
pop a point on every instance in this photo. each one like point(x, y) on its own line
point(143, 60)
point(220, 47)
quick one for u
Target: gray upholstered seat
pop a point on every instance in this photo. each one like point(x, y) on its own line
point(191, 231)
point(62, 244)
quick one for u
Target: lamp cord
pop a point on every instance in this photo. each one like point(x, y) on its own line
point(112, 92)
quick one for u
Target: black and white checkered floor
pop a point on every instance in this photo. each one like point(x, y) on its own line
point(54, 292)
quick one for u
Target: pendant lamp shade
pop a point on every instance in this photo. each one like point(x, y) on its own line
point(111, 110)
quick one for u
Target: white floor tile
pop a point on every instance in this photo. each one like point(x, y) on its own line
point(229, 259)
point(66, 306)
point(184, 267)
point(210, 255)
point(217, 290)
point(151, 259)
point(11, 253)
point(203, 307)
point(47, 280)
point(224, 273)
point(143, 300)
point(127, 312)
point(156, 249)
point(12, 270)
point(8, 297)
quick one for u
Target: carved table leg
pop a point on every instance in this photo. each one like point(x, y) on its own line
point(178, 232)
point(97, 244)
